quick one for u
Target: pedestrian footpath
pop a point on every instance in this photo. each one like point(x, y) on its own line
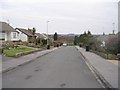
point(11, 64)
point(106, 70)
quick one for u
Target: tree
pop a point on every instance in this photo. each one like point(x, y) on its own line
point(103, 33)
point(84, 32)
point(34, 30)
point(33, 38)
point(85, 38)
point(75, 40)
point(55, 36)
point(94, 44)
point(38, 41)
point(89, 33)
point(44, 42)
point(88, 39)
point(112, 45)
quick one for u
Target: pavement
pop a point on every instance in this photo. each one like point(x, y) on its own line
point(15, 62)
point(5, 58)
point(114, 62)
point(62, 68)
point(105, 70)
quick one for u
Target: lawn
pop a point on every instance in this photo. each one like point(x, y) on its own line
point(13, 52)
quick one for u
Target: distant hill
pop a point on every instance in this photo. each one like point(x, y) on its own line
point(68, 38)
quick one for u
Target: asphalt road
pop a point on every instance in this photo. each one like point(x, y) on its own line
point(63, 68)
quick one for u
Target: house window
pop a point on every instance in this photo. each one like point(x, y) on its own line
point(14, 35)
point(18, 34)
point(2, 36)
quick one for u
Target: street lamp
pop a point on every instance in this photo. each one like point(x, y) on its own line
point(48, 46)
point(113, 27)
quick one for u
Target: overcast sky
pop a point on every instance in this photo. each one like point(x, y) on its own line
point(65, 16)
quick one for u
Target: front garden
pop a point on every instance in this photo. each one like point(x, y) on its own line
point(15, 51)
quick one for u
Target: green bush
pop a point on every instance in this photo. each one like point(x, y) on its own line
point(1, 50)
point(118, 56)
point(38, 41)
point(112, 45)
point(7, 45)
point(44, 42)
point(112, 57)
point(31, 45)
point(101, 54)
point(25, 43)
point(37, 46)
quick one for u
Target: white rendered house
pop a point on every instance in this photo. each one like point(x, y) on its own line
point(24, 34)
point(8, 33)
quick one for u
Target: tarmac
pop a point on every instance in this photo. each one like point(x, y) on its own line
point(11, 64)
point(106, 71)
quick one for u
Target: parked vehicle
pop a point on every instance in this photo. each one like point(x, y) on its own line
point(64, 44)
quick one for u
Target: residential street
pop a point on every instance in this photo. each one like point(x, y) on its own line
point(62, 68)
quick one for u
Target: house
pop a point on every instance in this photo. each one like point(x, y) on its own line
point(8, 33)
point(42, 36)
point(24, 34)
point(104, 38)
point(50, 39)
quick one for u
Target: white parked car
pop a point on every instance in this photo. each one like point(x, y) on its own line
point(64, 44)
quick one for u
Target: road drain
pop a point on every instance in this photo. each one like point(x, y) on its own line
point(62, 85)
point(28, 77)
point(37, 70)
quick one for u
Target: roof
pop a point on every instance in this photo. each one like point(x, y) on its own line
point(6, 27)
point(104, 37)
point(44, 35)
point(39, 35)
point(25, 31)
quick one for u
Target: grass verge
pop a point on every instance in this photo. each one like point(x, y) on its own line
point(106, 56)
point(13, 52)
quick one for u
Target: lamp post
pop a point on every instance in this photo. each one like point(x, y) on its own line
point(113, 27)
point(48, 46)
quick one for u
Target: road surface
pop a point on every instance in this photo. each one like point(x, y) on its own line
point(63, 68)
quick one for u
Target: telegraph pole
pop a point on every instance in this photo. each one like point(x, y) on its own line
point(47, 36)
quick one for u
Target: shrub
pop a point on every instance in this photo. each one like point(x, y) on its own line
point(112, 45)
point(8, 45)
point(44, 42)
point(1, 50)
point(25, 43)
point(118, 56)
point(37, 46)
point(31, 44)
point(38, 41)
point(106, 56)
